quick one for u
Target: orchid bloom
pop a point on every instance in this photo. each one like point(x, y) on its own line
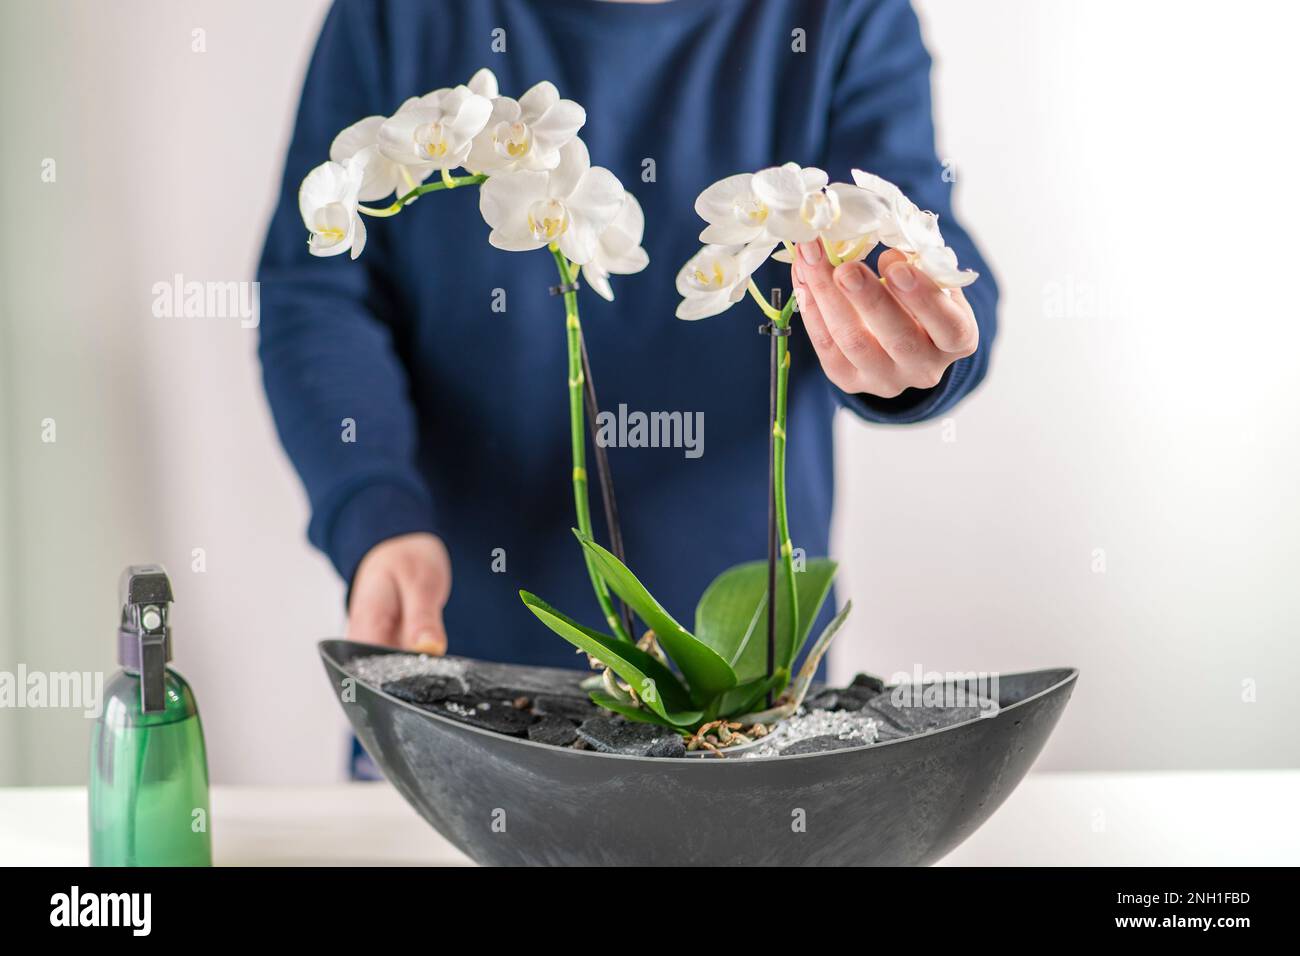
point(716, 278)
point(569, 206)
point(383, 176)
point(618, 249)
point(436, 130)
point(915, 233)
point(327, 201)
point(527, 133)
point(734, 213)
point(802, 207)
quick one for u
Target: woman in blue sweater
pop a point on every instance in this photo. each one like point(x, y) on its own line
point(458, 410)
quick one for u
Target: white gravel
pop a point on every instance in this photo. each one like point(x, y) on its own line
point(842, 724)
point(380, 668)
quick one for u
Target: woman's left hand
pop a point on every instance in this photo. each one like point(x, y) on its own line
point(879, 337)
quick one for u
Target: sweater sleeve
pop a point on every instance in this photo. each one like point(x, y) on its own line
point(881, 122)
point(330, 327)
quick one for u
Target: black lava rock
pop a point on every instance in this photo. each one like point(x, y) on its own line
point(867, 685)
point(576, 709)
point(493, 681)
point(914, 716)
point(613, 735)
point(554, 730)
point(423, 688)
point(497, 715)
point(818, 745)
point(832, 699)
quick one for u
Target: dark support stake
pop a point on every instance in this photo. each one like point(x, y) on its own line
point(771, 525)
point(605, 479)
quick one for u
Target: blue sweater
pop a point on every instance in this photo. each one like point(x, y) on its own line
point(460, 410)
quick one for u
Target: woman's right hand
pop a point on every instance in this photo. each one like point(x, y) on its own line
point(398, 593)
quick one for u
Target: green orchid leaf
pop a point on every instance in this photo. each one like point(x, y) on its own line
point(813, 585)
point(753, 695)
point(706, 672)
point(632, 712)
point(732, 615)
point(803, 679)
point(654, 683)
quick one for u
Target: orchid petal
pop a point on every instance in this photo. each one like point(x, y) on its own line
point(702, 307)
point(504, 200)
point(597, 198)
point(574, 163)
point(598, 280)
point(559, 124)
point(780, 187)
point(484, 83)
point(539, 98)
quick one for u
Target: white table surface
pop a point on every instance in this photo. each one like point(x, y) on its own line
point(1170, 818)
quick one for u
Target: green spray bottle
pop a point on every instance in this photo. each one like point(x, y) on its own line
point(148, 765)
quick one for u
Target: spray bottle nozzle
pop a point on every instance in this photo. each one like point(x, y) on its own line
point(144, 640)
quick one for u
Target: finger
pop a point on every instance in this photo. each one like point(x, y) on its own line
point(887, 259)
point(375, 611)
point(905, 342)
point(839, 370)
point(948, 320)
point(424, 594)
point(842, 320)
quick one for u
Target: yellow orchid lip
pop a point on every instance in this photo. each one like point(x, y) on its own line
point(750, 210)
point(512, 140)
point(431, 141)
point(547, 219)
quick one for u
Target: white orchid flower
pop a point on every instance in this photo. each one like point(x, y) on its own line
point(383, 176)
point(327, 201)
point(734, 213)
point(716, 278)
point(915, 233)
point(570, 205)
point(436, 130)
point(801, 206)
point(527, 133)
point(618, 248)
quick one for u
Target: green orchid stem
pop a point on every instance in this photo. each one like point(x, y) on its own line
point(447, 182)
point(578, 438)
point(779, 545)
point(605, 477)
point(830, 255)
point(763, 304)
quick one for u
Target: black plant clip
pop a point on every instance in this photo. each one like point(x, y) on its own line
point(771, 328)
point(564, 289)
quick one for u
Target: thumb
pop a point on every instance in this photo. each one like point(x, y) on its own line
point(423, 598)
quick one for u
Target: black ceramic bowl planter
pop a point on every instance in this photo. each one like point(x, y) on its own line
point(504, 800)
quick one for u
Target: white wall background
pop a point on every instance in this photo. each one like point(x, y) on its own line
point(1128, 166)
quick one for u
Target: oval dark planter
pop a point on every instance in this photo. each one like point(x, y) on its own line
point(509, 801)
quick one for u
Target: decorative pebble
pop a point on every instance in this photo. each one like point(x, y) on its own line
point(423, 688)
point(614, 735)
point(818, 745)
point(554, 730)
